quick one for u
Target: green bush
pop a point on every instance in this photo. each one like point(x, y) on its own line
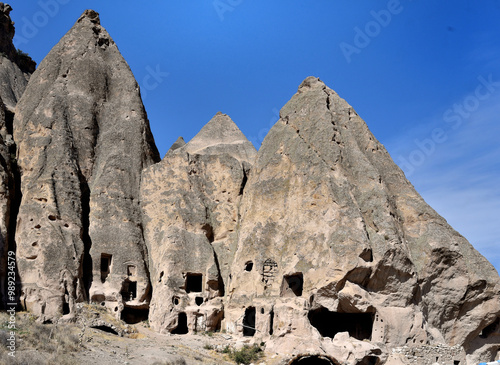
point(247, 354)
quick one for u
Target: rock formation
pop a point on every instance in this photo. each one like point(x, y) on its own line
point(15, 70)
point(316, 244)
point(84, 139)
point(190, 207)
point(15, 67)
point(334, 239)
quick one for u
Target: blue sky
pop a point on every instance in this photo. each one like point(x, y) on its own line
point(423, 74)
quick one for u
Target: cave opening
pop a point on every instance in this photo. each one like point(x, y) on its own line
point(182, 327)
point(369, 360)
point(248, 266)
point(194, 283)
point(328, 323)
point(65, 306)
point(131, 315)
point(271, 322)
point(313, 360)
point(129, 290)
point(292, 285)
point(490, 329)
point(105, 328)
point(249, 322)
point(105, 266)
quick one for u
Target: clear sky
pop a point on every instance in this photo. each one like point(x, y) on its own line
point(423, 74)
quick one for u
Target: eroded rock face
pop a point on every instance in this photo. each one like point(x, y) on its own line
point(7, 192)
point(84, 139)
point(15, 67)
point(334, 239)
point(15, 70)
point(190, 207)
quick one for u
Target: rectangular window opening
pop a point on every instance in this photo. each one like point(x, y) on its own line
point(105, 266)
point(194, 283)
point(292, 285)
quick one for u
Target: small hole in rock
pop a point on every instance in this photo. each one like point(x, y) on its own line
point(249, 266)
point(198, 301)
point(52, 217)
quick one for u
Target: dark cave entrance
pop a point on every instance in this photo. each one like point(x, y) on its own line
point(194, 283)
point(271, 322)
point(106, 328)
point(132, 315)
point(105, 266)
point(182, 327)
point(359, 325)
point(65, 306)
point(249, 322)
point(369, 360)
point(129, 290)
point(490, 329)
point(313, 360)
point(292, 285)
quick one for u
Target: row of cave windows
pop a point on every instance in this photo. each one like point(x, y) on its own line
point(106, 267)
point(129, 287)
point(328, 324)
point(292, 284)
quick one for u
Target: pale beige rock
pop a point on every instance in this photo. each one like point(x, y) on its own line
point(15, 70)
point(84, 139)
point(340, 240)
point(190, 209)
point(15, 67)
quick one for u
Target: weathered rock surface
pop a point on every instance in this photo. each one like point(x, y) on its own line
point(317, 244)
point(84, 139)
point(333, 239)
point(15, 67)
point(177, 144)
point(15, 70)
point(7, 192)
point(190, 208)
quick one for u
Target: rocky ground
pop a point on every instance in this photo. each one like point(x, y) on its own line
point(78, 343)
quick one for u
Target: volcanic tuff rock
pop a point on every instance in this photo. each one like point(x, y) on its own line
point(190, 212)
point(7, 191)
point(15, 70)
point(15, 67)
point(84, 139)
point(317, 244)
point(333, 238)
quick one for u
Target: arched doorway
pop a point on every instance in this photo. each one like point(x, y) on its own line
point(313, 360)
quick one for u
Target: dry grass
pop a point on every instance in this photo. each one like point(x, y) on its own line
point(38, 344)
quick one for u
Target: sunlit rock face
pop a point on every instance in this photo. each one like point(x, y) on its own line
point(334, 239)
point(316, 244)
point(84, 140)
point(190, 207)
point(15, 71)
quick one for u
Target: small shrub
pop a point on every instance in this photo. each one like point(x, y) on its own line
point(246, 355)
point(22, 54)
